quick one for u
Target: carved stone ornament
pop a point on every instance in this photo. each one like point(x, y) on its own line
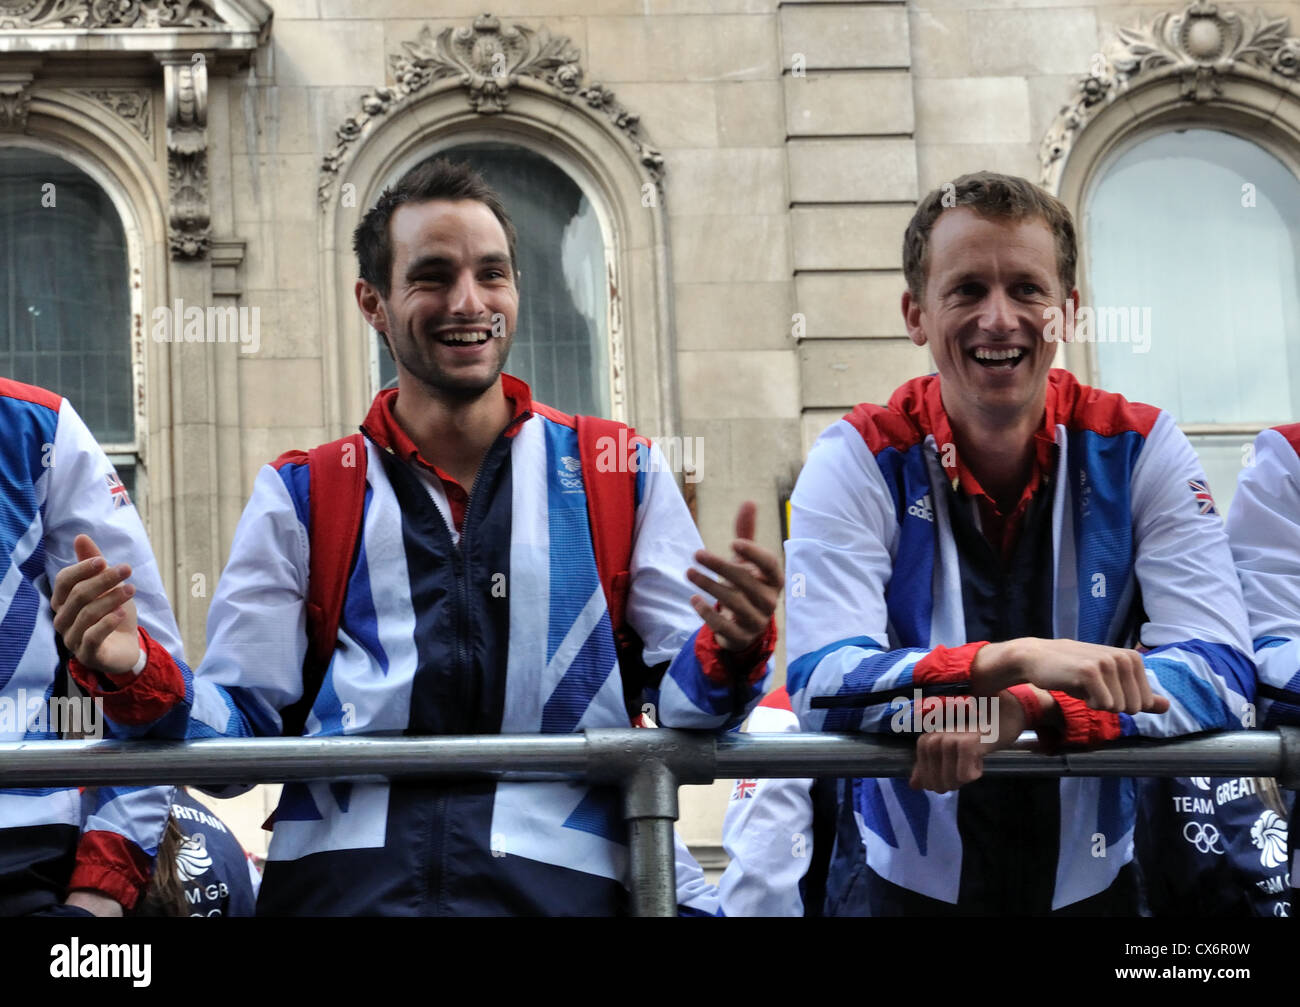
point(132, 105)
point(488, 61)
point(1200, 46)
point(186, 90)
point(25, 14)
point(15, 100)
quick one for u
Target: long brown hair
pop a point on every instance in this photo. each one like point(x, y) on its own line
point(165, 895)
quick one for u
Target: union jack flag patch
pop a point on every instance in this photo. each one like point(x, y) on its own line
point(744, 790)
point(1201, 490)
point(117, 491)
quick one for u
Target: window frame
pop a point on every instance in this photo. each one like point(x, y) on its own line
point(1084, 356)
point(131, 452)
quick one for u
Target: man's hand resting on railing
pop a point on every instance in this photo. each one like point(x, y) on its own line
point(1106, 678)
point(94, 613)
point(946, 760)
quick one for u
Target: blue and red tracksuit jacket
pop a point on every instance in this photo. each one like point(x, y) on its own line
point(496, 623)
point(888, 592)
point(58, 484)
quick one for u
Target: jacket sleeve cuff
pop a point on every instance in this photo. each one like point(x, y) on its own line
point(946, 665)
point(1083, 725)
point(135, 699)
point(1025, 695)
point(721, 665)
point(111, 865)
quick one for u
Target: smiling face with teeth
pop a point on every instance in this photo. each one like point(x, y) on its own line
point(988, 284)
point(450, 316)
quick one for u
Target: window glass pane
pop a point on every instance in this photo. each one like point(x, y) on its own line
point(64, 294)
point(1171, 227)
point(561, 342)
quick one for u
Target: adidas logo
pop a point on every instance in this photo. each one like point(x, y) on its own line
point(922, 509)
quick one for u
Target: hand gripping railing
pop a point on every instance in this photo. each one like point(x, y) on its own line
point(648, 765)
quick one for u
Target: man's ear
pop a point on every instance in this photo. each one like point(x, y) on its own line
point(912, 319)
point(372, 306)
point(1070, 316)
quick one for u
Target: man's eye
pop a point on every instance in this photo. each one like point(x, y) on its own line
point(1030, 288)
point(970, 290)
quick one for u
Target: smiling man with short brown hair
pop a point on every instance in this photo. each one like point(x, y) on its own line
point(1000, 530)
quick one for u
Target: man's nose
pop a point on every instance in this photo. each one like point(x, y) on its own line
point(465, 300)
point(998, 315)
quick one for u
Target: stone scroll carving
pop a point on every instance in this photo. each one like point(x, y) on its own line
point(488, 61)
point(1200, 46)
point(186, 94)
point(24, 14)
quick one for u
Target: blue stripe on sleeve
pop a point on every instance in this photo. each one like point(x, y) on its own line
point(801, 669)
point(1179, 681)
point(1236, 668)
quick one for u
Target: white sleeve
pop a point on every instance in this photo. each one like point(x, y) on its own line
point(83, 498)
point(659, 608)
point(1196, 620)
point(839, 561)
point(1264, 528)
point(257, 636)
point(693, 890)
point(665, 541)
point(767, 833)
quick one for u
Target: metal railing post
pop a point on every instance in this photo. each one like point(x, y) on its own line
point(1289, 775)
point(650, 807)
point(650, 765)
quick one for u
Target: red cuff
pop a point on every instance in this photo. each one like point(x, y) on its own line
point(1083, 724)
point(136, 699)
point(111, 865)
point(723, 666)
point(946, 664)
point(1028, 699)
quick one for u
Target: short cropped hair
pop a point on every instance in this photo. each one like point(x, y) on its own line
point(433, 178)
point(990, 195)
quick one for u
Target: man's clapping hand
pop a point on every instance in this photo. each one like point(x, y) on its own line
point(94, 613)
point(748, 593)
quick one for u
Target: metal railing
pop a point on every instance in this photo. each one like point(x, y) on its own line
point(648, 766)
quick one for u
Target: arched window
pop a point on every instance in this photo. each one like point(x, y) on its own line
point(1192, 235)
point(65, 313)
point(561, 345)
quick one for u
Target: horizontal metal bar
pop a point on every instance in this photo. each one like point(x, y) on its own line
point(574, 756)
point(281, 760)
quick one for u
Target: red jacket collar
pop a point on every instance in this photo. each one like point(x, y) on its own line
point(921, 403)
point(381, 424)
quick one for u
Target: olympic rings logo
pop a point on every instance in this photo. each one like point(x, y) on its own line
point(1205, 837)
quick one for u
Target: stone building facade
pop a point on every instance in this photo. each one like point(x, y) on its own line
point(751, 165)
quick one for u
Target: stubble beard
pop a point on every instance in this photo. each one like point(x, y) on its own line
point(438, 382)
